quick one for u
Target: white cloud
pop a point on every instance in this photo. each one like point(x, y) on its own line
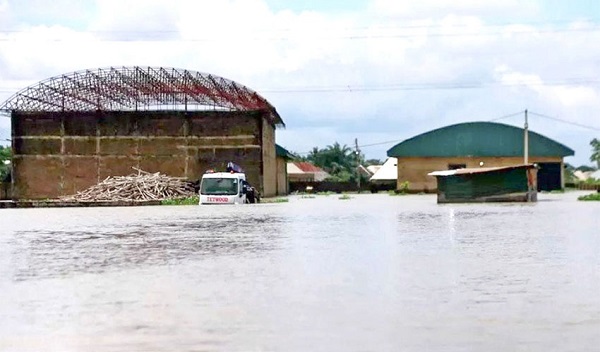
point(442, 8)
point(405, 66)
point(561, 96)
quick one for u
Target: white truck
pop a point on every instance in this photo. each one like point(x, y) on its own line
point(228, 187)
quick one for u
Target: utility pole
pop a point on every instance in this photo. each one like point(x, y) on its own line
point(357, 153)
point(526, 140)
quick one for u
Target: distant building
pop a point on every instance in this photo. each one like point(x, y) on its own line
point(363, 171)
point(388, 172)
point(582, 175)
point(282, 157)
point(373, 168)
point(595, 175)
point(301, 171)
point(476, 144)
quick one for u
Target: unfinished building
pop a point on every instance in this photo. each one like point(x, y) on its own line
point(71, 131)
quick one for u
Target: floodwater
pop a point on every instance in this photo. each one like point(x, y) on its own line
point(371, 273)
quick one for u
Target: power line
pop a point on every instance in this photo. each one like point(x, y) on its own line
point(151, 36)
point(565, 121)
point(406, 87)
point(506, 116)
point(347, 28)
point(430, 86)
point(400, 140)
point(380, 143)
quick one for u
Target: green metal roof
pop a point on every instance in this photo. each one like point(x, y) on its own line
point(282, 152)
point(477, 139)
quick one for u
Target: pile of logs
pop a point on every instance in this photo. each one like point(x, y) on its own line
point(143, 186)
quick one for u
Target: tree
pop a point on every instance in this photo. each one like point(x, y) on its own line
point(333, 158)
point(340, 161)
point(373, 162)
point(585, 168)
point(5, 155)
point(595, 143)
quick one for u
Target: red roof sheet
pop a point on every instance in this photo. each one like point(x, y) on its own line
point(307, 167)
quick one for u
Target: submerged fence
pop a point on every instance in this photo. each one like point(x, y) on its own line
point(584, 186)
point(339, 187)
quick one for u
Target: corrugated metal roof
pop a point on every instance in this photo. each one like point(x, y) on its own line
point(373, 168)
point(389, 171)
point(478, 139)
point(480, 170)
point(307, 167)
point(282, 152)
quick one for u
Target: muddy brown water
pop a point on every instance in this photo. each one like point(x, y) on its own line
point(371, 273)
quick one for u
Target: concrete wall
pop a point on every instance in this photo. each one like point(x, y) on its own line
point(415, 170)
point(58, 154)
point(269, 159)
point(282, 178)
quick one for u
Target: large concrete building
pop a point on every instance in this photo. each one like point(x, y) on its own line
point(476, 144)
point(71, 131)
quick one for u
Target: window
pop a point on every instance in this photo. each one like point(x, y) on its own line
point(456, 166)
point(219, 186)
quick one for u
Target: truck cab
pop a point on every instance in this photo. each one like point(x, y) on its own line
point(228, 187)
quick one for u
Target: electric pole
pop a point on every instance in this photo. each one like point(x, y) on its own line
point(526, 140)
point(357, 153)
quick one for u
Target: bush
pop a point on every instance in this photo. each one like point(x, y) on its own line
point(593, 196)
point(181, 201)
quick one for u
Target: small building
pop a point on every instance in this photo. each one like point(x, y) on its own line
point(517, 183)
point(582, 176)
point(302, 171)
point(386, 176)
point(388, 172)
point(283, 156)
point(595, 175)
point(474, 145)
point(373, 169)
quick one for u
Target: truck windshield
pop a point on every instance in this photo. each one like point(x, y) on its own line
point(220, 186)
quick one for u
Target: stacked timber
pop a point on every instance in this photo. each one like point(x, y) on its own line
point(140, 187)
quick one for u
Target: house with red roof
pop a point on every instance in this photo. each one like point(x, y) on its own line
point(302, 171)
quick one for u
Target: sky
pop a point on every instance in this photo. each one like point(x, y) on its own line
point(375, 71)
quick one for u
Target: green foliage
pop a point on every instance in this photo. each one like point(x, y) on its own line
point(333, 158)
point(403, 189)
point(584, 168)
point(181, 201)
point(340, 161)
point(592, 196)
point(373, 162)
point(344, 197)
point(592, 181)
point(341, 176)
point(274, 200)
point(5, 154)
point(326, 193)
point(595, 143)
